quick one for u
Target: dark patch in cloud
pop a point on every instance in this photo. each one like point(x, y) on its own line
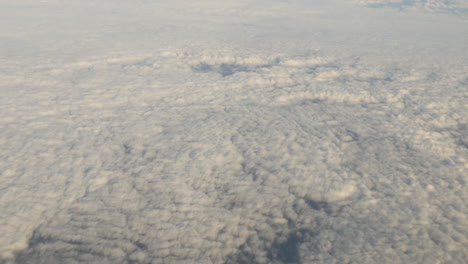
point(228, 69)
point(463, 143)
point(202, 68)
point(317, 205)
point(127, 148)
point(224, 69)
point(287, 251)
point(284, 249)
point(462, 135)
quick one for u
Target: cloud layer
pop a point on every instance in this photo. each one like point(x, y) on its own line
point(231, 133)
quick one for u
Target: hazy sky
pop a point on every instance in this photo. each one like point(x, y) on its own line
point(300, 131)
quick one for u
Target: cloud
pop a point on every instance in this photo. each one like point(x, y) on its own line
point(323, 143)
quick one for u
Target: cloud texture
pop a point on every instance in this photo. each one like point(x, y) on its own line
point(209, 132)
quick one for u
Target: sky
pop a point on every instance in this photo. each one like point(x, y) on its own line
point(237, 131)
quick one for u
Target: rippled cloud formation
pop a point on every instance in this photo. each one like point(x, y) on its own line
point(232, 132)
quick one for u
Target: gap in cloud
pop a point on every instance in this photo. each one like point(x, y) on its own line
point(458, 7)
point(226, 69)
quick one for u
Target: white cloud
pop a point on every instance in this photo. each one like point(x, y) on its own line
point(202, 132)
